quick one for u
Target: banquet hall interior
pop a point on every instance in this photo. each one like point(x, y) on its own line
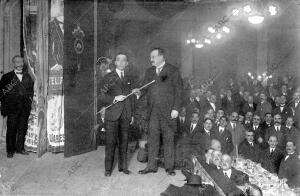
point(239, 72)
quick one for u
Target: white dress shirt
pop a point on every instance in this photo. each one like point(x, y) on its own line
point(160, 67)
point(119, 72)
point(20, 76)
point(227, 172)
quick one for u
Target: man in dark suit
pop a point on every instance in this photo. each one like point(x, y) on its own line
point(237, 131)
point(248, 149)
point(259, 133)
point(205, 136)
point(283, 109)
point(268, 121)
point(182, 122)
point(295, 105)
point(189, 143)
point(290, 166)
point(249, 106)
point(248, 120)
point(271, 157)
point(292, 133)
point(223, 135)
point(278, 130)
point(228, 177)
point(191, 103)
point(116, 85)
point(164, 101)
point(263, 106)
point(16, 98)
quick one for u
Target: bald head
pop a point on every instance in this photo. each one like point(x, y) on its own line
point(215, 144)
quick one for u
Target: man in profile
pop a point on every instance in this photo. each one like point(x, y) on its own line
point(16, 98)
point(164, 101)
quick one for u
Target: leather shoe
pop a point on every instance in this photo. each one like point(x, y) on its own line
point(10, 155)
point(170, 172)
point(125, 171)
point(23, 152)
point(146, 171)
point(107, 173)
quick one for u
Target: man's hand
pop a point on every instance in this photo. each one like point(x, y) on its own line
point(142, 143)
point(137, 92)
point(132, 120)
point(119, 98)
point(174, 114)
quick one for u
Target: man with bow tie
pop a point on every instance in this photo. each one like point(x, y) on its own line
point(16, 98)
point(271, 157)
point(290, 165)
point(115, 86)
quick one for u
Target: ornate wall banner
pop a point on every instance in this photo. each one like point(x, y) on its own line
point(55, 98)
point(33, 68)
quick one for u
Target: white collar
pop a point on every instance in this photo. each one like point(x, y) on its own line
point(119, 72)
point(206, 131)
point(161, 66)
point(228, 172)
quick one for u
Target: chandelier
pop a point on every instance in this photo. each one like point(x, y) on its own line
point(255, 11)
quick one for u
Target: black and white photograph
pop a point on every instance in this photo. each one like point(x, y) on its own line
point(150, 97)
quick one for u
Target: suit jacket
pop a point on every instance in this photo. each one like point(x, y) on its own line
point(271, 161)
point(293, 134)
point(290, 169)
point(296, 113)
point(286, 112)
point(228, 105)
point(249, 152)
point(225, 138)
point(112, 86)
point(15, 95)
point(190, 107)
point(281, 136)
point(238, 135)
point(189, 190)
point(263, 108)
point(189, 143)
point(165, 94)
point(229, 185)
point(248, 108)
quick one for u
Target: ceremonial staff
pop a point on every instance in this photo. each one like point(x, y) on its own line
point(126, 96)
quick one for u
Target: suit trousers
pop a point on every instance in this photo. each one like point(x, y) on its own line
point(159, 125)
point(17, 125)
point(116, 134)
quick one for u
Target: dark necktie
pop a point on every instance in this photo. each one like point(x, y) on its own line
point(122, 75)
point(226, 176)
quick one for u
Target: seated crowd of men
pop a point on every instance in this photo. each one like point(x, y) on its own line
point(254, 122)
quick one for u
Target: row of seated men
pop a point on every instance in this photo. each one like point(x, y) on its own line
point(244, 103)
point(268, 145)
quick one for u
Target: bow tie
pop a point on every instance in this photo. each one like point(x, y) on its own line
point(19, 73)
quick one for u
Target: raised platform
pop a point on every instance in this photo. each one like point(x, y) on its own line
point(79, 175)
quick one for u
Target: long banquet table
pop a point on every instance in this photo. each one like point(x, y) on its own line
point(269, 183)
